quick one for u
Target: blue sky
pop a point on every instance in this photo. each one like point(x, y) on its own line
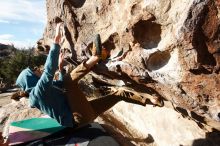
point(22, 22)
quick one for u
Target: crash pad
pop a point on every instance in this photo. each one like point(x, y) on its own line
point(32, 129)
point(47, 131)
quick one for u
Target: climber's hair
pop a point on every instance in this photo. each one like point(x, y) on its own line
point(33, 69)
point(19, 94)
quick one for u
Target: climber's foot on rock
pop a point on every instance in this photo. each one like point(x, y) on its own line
point(97, 46)
point(126, 94)
point(157, 101)
point(97, 49)
point(216, 69)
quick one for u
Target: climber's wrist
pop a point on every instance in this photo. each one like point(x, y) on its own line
point(61, 69)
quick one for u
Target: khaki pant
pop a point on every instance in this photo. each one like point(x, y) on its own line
point(76, 99)
point(89, 110)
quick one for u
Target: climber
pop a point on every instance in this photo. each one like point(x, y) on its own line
point(70, 106)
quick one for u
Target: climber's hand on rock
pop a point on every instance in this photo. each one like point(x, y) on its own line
point(58, 33)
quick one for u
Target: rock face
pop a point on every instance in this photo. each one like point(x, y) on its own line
point(15, 111)
point(174, 52)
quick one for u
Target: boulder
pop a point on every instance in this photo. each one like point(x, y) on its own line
point(16, 111)
point(167, 48)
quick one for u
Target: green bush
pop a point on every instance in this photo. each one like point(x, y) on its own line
point(11, 66)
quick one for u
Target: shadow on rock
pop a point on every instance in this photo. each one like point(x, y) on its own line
point(212, 139)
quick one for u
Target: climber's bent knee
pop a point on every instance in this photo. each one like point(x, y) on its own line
point(79, 72)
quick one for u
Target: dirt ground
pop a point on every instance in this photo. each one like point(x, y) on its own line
point(5, 98)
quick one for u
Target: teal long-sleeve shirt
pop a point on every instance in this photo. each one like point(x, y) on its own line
point(48, 95)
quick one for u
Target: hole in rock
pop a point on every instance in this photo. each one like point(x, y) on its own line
point(135, 9)
point(182, 111)
point(158, 60)
point(77, 3)
point(199, 39)
point(204, 56)
point(147, 33)
point(197, 117)
point(112, 41)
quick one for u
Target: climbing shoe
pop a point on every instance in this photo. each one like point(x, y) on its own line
point(128, 94)
point(98, 50)
point(97, 46)
point(125, 93)
point(156, 101)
